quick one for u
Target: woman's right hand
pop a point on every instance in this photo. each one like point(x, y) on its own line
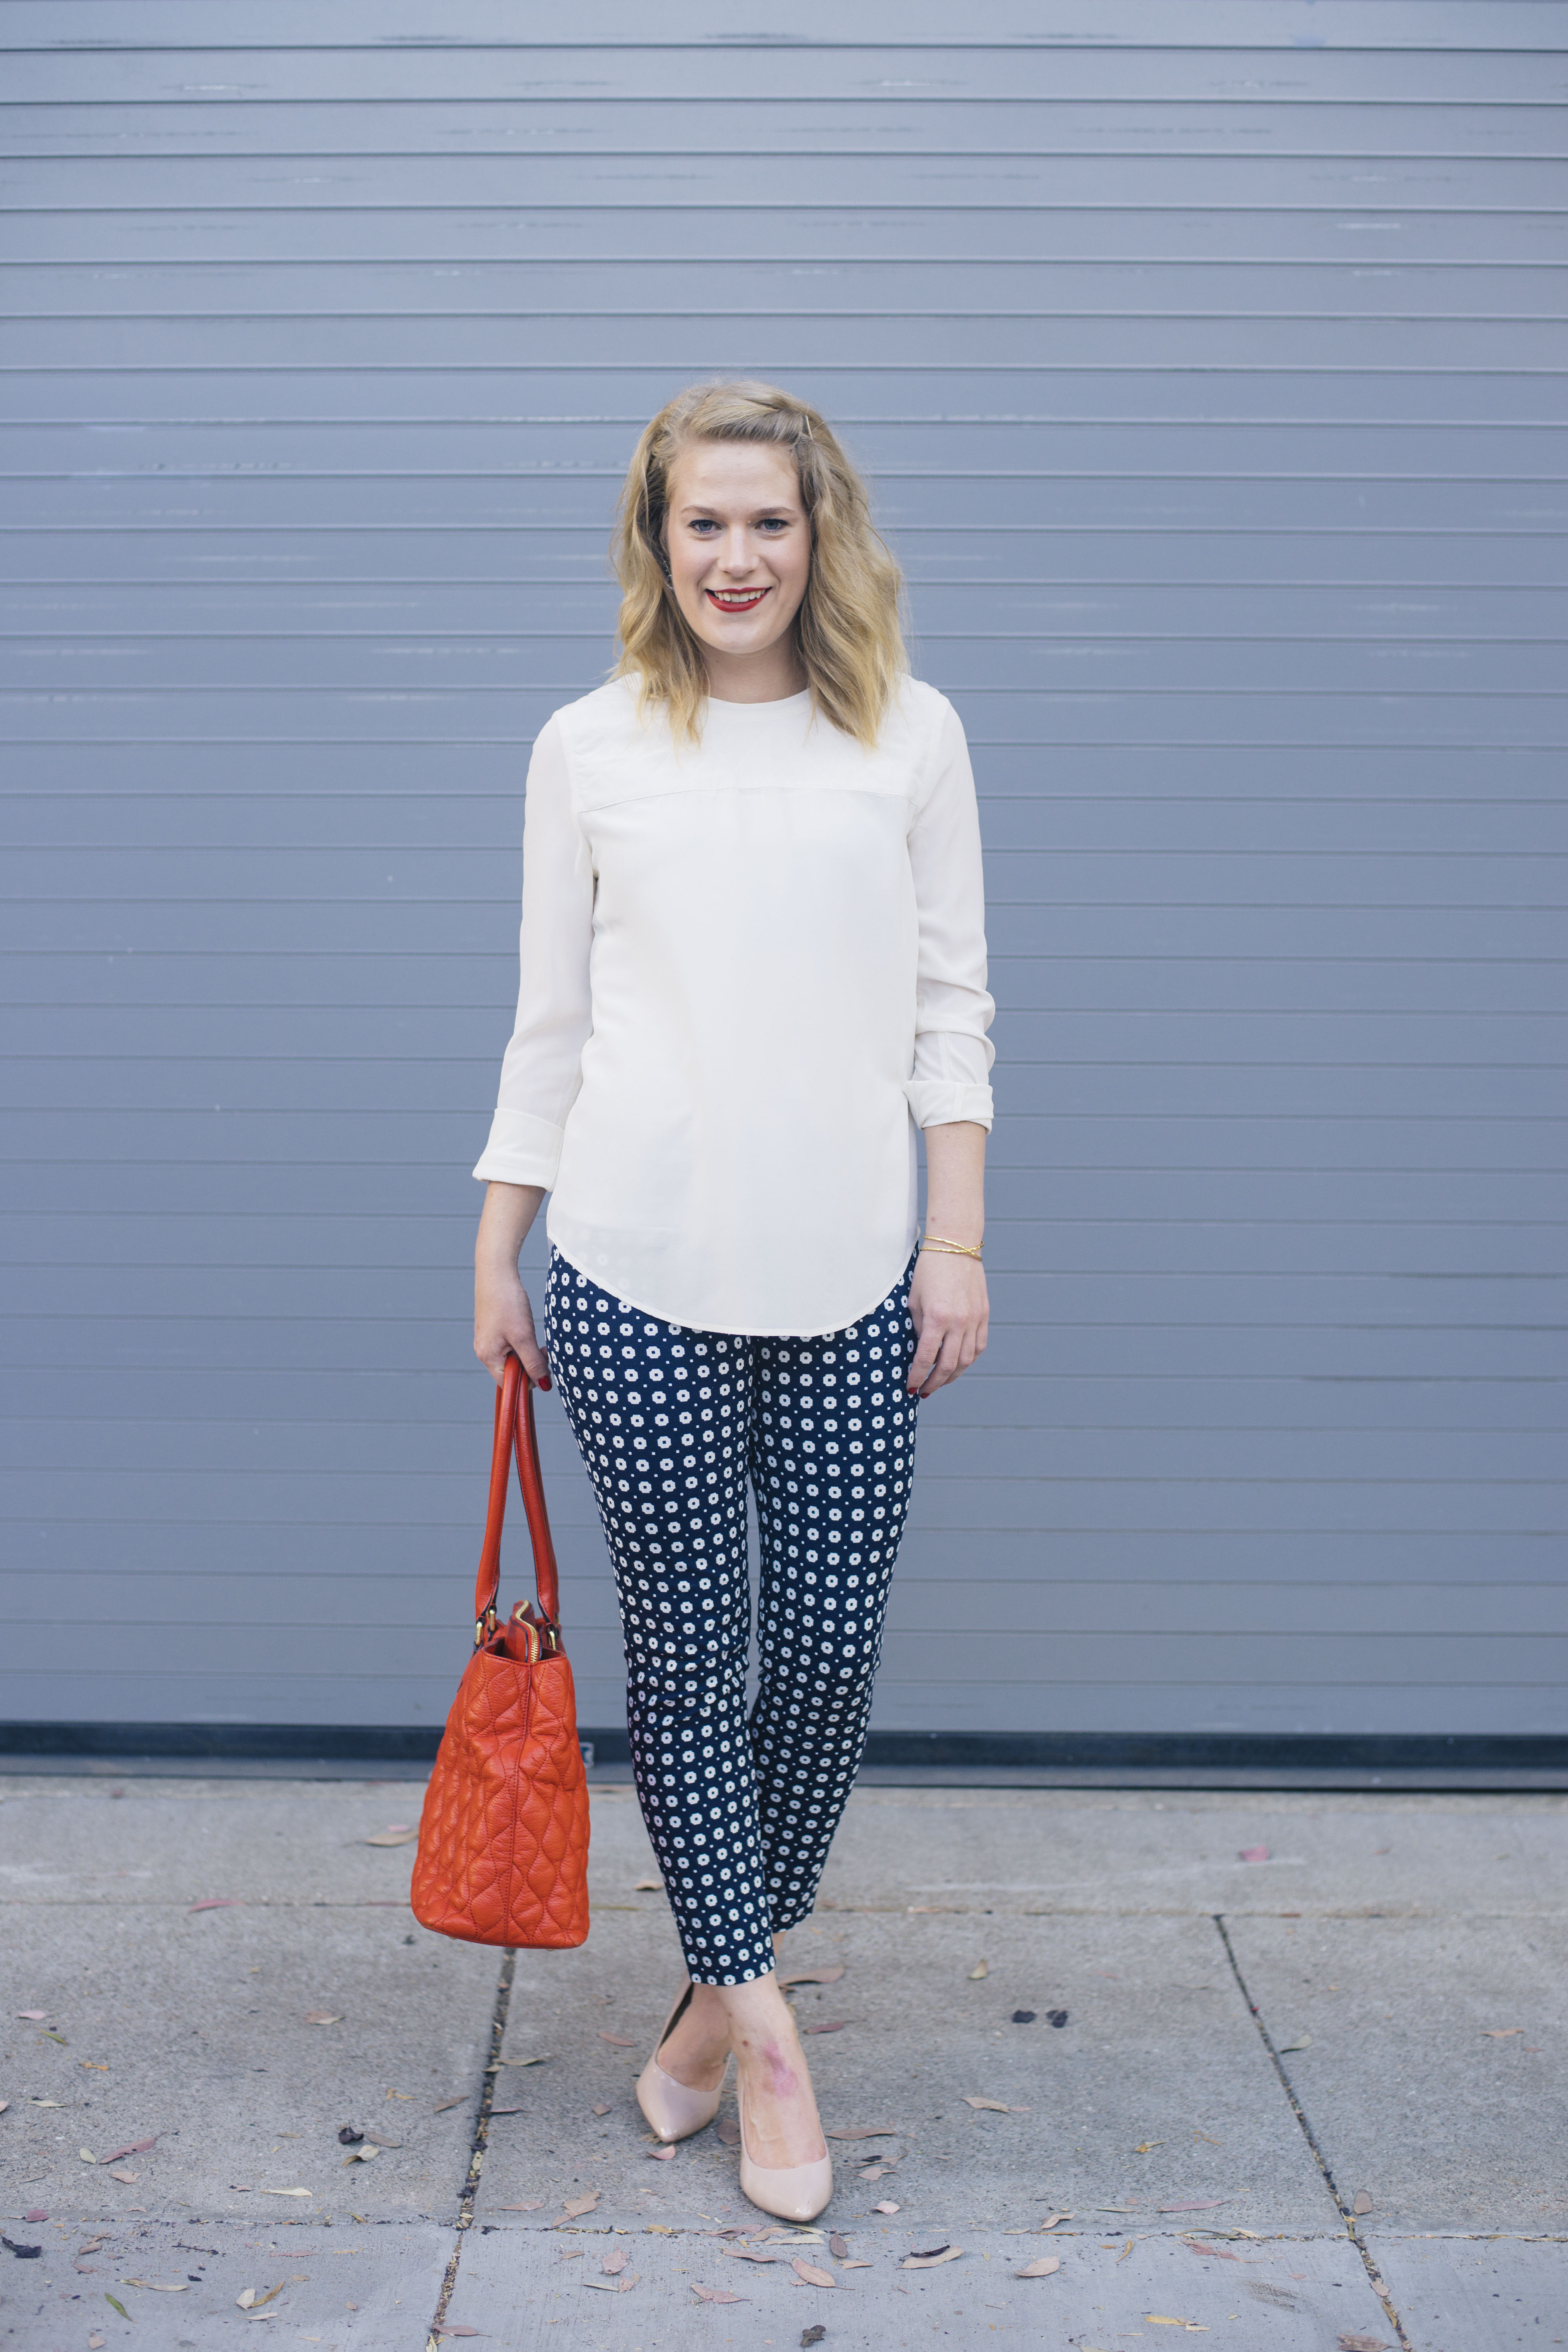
point(503, 1319)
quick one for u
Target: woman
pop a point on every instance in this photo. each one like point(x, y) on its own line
point(753, 962)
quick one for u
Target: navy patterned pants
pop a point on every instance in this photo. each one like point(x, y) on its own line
point(672, 1424)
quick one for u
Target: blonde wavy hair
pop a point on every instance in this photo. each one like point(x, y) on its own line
point(851, 640)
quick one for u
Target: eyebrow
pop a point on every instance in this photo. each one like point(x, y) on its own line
point(695, 507)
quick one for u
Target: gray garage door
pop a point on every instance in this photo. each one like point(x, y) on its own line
point(1205, 360)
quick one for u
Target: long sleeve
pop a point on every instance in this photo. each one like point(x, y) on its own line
point(952, 1009)
point(542, 1069)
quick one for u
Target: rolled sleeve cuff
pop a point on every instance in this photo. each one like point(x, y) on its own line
point(941, 1102)
point(521, 1150)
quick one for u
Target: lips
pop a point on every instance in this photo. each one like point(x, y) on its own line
point(735, 600)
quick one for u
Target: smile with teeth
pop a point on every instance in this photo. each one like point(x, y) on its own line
point(736, 600)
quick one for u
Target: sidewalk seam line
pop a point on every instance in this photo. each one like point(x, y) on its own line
point(1375, 2276)
point(476, 2148)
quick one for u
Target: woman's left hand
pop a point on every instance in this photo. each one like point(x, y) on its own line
point(950, 1312)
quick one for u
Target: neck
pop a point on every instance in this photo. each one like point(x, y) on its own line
point(769, 675)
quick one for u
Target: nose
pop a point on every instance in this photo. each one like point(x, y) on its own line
point(738, 556)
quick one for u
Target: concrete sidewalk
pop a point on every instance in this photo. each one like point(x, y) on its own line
point(1205, 2065)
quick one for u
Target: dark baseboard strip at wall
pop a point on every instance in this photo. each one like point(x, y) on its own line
point(972, 1759)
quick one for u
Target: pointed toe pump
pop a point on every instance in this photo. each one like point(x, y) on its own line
point(673, 2109)
point(793, 2192)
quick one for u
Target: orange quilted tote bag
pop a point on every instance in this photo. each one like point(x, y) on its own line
point(503, 1838)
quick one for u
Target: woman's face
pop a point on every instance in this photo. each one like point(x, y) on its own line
point(739, 543)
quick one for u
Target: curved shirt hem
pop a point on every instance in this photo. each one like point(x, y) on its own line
point(607, 1281)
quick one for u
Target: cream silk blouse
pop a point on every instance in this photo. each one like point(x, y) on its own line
point(750, 968)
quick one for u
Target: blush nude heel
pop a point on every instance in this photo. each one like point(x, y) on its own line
point(793, 2192)
point(673, 2108)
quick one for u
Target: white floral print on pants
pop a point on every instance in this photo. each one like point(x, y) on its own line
point(672, 1424)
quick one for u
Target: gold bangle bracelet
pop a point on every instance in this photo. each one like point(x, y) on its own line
point(940, 1241)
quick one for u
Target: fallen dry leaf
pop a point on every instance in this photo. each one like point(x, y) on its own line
point(87, 2156)
point(715, 2293)
point(931, 2261)
point(887, 2206)
point(1248, 1853)
point(137, 2147)
point(323, 2017)
point(1221, 2253)
point(34, 2016)
point(543, 2060)
point(662, 2154)
point(745, 2254)
point(981, 1968)
point(1500, 2032)
point(1363, 2344)
point(535, 2205)
point(729, 2131)
point(996, 2106)
point(1041, 2269)
point(400, 1834)
point(445, 2104)
point(448, 2331)
point(811, 2274)
point(575, 2206)
point(837, 2247)
point(286, 2192)
point(1199, 2205)
point(1144, 2147)
point(1363, 2201)
point(1302, 2041)
point(1052, 2218)
point(159, 2286)
point(95, 2343)
point(614, 2263)
point(126, 2179)
point(867, 2131)
point(825, 1976)
point(362, 2155)
point(836, 2026)
point(218, 1902)
point(1158, 2319)
point(620, 2041)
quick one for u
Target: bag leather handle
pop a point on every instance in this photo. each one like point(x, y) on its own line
point(514, 1435)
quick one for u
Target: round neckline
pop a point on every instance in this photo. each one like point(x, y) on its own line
point(780, 702)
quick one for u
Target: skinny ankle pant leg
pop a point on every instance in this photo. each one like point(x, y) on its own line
point(832, 1461)
point(663, 1418)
